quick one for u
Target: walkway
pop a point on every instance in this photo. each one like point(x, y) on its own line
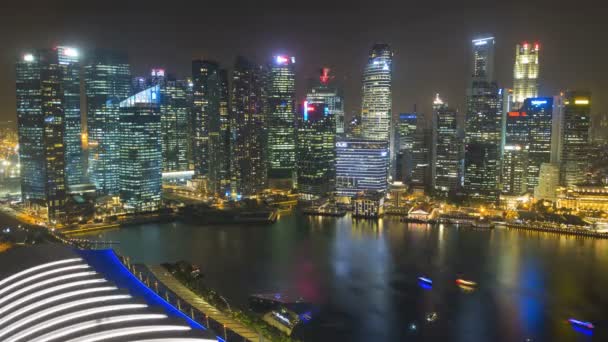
point(201, 305)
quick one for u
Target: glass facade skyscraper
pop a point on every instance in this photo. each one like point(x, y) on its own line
point(575, 147)
point(483, 126)
point(322, 92)
point(376, 105)
point(448, 148)
point(405, 130)
point(361, 165)
point(140, 151)
point(46, 105)
point(248, 130)
point(210, 131)
point(525, 72)
point(281, 122)
point(316, 151)
point(107, 82)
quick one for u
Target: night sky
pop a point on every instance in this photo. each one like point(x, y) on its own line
point(431, 40)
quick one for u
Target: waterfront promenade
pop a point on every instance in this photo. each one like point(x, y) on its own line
point(197, 303)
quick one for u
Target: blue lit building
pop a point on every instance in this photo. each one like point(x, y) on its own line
point(107, 82)
point(48, 119)
point(361, 165)
point(140, 151)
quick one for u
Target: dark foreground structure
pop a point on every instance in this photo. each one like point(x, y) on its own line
point(55, 293)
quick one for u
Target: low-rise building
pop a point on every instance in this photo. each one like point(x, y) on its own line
point(584, 197)
point(368, 204)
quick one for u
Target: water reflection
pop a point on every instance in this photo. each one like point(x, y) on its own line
point(363, 275)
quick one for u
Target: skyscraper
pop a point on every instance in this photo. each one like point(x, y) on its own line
point(49, 126)
point(361, 165)
point(376, 105)
point(316, 151)
point(248, 131)
point(281, 122)
point(448, 147)
point(140, 151)
point(483, 126)
point(575, 147)
point(405, 129)
point(210, 114)
point(174, 112)
point(322, 92)
point(107, 82)
point(525, 72)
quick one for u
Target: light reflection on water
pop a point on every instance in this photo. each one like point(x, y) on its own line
point(363, 275)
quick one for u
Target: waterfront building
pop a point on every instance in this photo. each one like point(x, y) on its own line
point(316, 151)
point(63, 293)
point(107, 82)
point(324, 91)
point(584, 197)
point(548, 182)
point(281, 122)
point(405, 130)
point(525, 72)
point(539, 116)
point(368, 204)
point(515, 169)
point(140, 151)
point(376, 105)
point(483, 126)
point(361, 165)
point(49, 130)
point(248, 129)
point(422, 176)
point(210, 125)
point(574, 144)
point(448, 146)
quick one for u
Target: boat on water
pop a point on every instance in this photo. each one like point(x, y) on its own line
point(582, 324)
point(467, 283)
point(425, 280)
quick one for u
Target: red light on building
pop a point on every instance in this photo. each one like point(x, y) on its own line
point(310, 108)
point(537, 46)
point(325, 77)
point(517, 114)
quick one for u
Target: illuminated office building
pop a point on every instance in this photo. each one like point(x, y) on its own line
point(315, 151)
point(140, 151)
point(448, 147)
point(483, 126)
point(376, 105)
point(361, 165)
point(281, 122)
point(107, 82)
point(405, 129)
point(248, 128)
point(49, 129)
point(548, 182)
point(210, 132)
point(422, 159)
point(514, 169)
point(174, 112)
point(575, 147)
point(525, 72)
point(323, 92)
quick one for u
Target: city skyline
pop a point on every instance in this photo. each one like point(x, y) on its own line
point(420, 68)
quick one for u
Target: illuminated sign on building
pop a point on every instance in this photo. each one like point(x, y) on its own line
point(158, 72)
point(538, 102)
point(581, 101)
point(28, 57)
point(517, 114)
point(281, 59)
